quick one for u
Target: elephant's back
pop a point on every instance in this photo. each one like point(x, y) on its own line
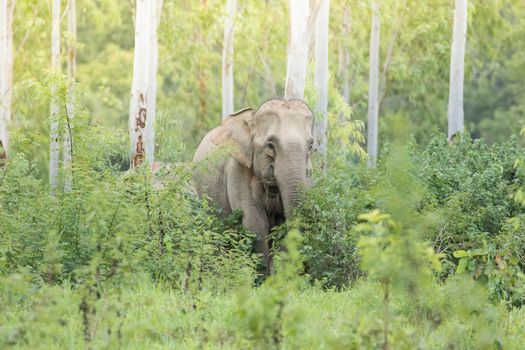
point(206, 147)
point(208, 174)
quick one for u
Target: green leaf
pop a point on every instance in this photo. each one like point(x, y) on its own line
point(460, 254)
point(462, 266)
point(374, 216)
point(478, 252)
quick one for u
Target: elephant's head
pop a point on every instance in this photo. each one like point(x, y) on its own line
point(276, 142)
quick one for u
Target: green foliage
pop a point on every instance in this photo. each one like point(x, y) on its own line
point(134, 260)
point(121, 223)
point(344, 132)
point(458, 196)
point(393, 256)
point(455, 315)
point(471, 185)
point(329, 248)
point(261, 314)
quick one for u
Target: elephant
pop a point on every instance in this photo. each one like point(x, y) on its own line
point(264, 166)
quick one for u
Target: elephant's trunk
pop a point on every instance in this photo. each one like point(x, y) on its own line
point(291, 179)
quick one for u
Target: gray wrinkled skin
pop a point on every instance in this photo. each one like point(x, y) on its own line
point(258, 161)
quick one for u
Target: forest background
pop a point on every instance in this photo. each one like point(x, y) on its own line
point(414, 66)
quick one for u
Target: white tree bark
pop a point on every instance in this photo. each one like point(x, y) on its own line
point(6, 72)
point(71, 74)
point(344, 57)
point(298, 41)
point(139, 91)
point(160, 4)
point(373, 84)
point(4, 132)
point(55, 64)
point(457, 62)
point(227, 59)
point(154, 22)
point(321, 79)
point(144, 88)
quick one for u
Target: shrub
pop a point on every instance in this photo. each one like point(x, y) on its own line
point(331, 207)
point(121, 222)
point(464, 195)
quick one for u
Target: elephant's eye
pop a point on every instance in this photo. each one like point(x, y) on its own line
point(310, 146)
point(269, 148)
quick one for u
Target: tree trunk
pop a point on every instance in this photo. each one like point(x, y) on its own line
point(143, 90)
point(70, 107)
point(152, 79)
point(227, 59)
point(7, 8)
point(383, 80)
point(344, 57)
point(457, 62)
point(3, 82)
point(10, 64)
point(321, 79)
point(298, 41)
point(373, 85)
point(55, 64)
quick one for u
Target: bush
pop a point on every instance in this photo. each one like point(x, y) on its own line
point(466, 202)
point(122, 224)
point(330, 209)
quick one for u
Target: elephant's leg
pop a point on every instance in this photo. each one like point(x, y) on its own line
point(255, 220)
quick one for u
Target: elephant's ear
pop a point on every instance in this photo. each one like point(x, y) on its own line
point(236, 133)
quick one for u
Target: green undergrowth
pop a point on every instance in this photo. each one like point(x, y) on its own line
point(464, 198)
point(152, 315)
point(423, 251)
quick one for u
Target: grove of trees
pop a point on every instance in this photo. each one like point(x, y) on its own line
point(414, 63)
